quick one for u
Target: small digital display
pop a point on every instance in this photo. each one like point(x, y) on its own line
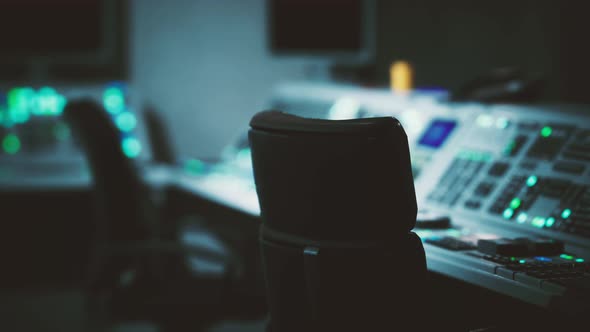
point(437, 133)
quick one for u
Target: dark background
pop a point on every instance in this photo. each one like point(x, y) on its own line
point(209, 65)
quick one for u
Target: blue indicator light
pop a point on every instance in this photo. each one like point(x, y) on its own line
point(543, 259)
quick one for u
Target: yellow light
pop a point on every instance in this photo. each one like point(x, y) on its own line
point(401, 76)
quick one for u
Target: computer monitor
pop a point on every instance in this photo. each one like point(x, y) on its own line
point(335, 32)
point(62, 40)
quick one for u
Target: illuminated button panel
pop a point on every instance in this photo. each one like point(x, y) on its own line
point(533, 174)
point(545, 203)
point(31, 123)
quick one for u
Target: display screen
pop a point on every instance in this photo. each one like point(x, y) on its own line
point(41, 27)
point(314, 26)
point(437, 133)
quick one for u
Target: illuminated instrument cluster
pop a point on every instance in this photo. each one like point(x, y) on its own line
point(31, 123)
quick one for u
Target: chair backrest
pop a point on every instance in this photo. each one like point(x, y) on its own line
point(338, 204)
point(159, 138)
point(119, 191)
point(333, 180)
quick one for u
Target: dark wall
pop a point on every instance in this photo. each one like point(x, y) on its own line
point(575, 50)
point(450, 42)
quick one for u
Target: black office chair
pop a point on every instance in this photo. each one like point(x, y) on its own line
point(140, 270)
point(338, 205)
point(159, 137)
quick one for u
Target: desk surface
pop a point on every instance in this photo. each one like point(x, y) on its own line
point(238, 193)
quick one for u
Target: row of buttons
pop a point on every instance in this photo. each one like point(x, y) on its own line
point(555, 277)
point(550, 142)
point(579, 148)
point(509, 192)
point(455, 180)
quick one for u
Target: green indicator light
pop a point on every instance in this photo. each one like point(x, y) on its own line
point(131, 147)
point(113, 100)
point(474, 155)
point(485, 121)
point(566, 256)
point(507, 214)
point(19, 102)
point(546, 131)
point(50, 102)
point(47, 91)
point(11, 144)
point(501, 123)
point(522, 261)
point(531, 181)
point(538, 222)
point(19, 115)
point(13, 98)
point(550, 222)
point(194, 166)
point(47, 101)
point(61, 103)
point(566, 213)
point(27, 101)
point(579, 260)
point(515, 203)
point(512, 259)
point(464, 155)
point(509, 147)
point(126, 121)
point(521, 219)
point(481, 156)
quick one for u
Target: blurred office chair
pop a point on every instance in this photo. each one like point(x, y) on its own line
point(140, 269)
point(338, 205)
point(159, 137)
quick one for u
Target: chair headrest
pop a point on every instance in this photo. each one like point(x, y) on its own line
point(333, 179)
point(280, 121)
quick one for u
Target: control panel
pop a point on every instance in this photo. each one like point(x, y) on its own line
point(521, 168)
point(36, 146)
point(503, 190)
point(31, 124)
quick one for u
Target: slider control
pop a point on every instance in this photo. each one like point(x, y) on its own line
point(503, 247)
point(542, 247)
point(520, 247)
point(428, 220)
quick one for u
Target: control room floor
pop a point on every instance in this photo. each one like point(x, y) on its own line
point(61, 311)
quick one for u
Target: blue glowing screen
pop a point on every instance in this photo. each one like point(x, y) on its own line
point(437, 133)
